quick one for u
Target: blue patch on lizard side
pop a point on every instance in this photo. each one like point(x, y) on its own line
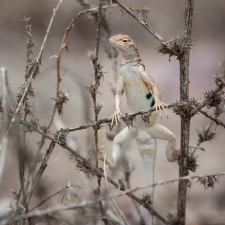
point(149, 96)
point(153, 103)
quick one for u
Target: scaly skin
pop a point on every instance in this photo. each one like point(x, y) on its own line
point(142, 93)
point(133, 73)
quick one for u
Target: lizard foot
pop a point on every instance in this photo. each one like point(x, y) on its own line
point(161, 106)
point(190, 146)
point(116, 117)
point(108, 163)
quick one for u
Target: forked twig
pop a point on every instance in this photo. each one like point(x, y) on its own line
point(58, 80)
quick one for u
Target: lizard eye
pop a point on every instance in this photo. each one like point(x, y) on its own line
point(125, 41)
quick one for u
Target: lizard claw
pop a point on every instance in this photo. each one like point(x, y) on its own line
point(161, 106)
point(116, 117)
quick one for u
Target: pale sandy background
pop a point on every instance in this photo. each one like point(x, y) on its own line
point(166, 17)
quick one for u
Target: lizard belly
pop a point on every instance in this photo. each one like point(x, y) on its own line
point(139, 96)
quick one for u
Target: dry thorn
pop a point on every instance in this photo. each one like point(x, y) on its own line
point(33, 70)
point(60, 97)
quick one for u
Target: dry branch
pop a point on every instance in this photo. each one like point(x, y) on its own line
point(218, 122)
point(141, 21)
point(4, 106)
point(59, 100)
point(34, 69)
point(185, 121)
point(85, 203)
point(41, 170)
point(86, 167)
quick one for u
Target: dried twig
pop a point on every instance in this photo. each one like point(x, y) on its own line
point(34, 69)
point(84, 203)
point(216, 121)
point(204, 101)
point(5, 97)
point(58, 192)
point(59, 100)
point(127, 179)
point(41, 170)
point(141, 21)
point(86, 167)
point(93, 89)
point(205, 134)
point(185, 122)
point(132, 116)
point(113, 202)
point(93, 10)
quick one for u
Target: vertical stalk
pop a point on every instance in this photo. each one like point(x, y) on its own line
point(97, 108)
point(97, 83)
point(185, 121)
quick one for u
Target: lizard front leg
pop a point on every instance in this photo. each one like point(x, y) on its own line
point(119, 88)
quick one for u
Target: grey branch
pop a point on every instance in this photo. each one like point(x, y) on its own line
point(142, 22)
point(38, 59)
point(3, 147)
point(85, 203)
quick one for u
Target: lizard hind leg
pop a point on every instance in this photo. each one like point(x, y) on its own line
point(147, 148)
point(118, 153)
point(160, 132)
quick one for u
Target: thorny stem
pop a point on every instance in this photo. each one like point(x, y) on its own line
point(109, 120)
point(58, 60)
point(37, 63)
point(99, 173)
point(58, 192)
point(96, 107)
point(41, 170)
point(87, 203)
point(93, 10)
point(203, 102)
point(185, 121)
point(142, 22)
point(213, 119)
point(127, 179)
point(33, 71)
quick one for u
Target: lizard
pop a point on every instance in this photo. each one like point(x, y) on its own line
point(142, 92)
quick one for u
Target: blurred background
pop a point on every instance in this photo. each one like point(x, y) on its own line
point(166, 17)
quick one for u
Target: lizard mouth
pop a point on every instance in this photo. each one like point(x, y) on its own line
point(113, 42)
point(110, 39)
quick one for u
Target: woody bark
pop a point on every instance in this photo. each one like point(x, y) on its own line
point(185, 120)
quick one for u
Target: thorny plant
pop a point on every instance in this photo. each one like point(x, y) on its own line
point(186, 108)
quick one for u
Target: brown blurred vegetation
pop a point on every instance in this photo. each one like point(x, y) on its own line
point(166, 17)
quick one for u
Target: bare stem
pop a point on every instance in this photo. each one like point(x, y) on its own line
point(101, 174)
point(109, 120)
point(4, 145)
point(36, 65)
point(96, 107)
point(185, 121)
point(142, 22)
point(58, 60)
point(41, 170)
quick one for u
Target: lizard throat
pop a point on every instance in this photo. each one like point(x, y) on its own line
point(131, 59)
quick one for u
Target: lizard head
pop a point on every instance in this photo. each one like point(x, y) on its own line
point(124, 44)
